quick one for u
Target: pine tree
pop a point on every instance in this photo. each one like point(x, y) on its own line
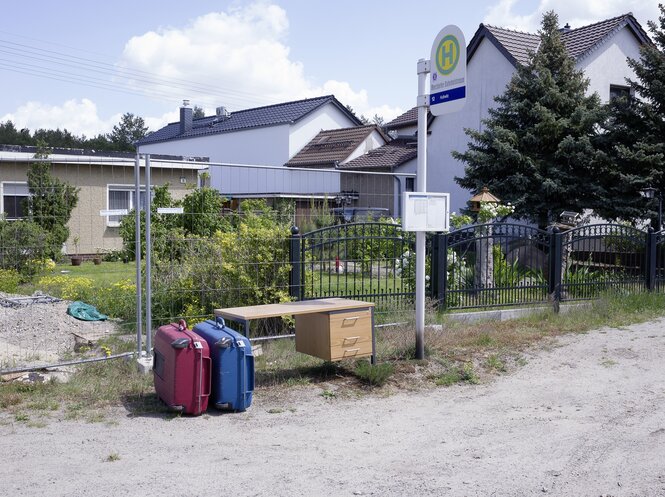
point(129, 130)
point(536, 149)
point(635, 133)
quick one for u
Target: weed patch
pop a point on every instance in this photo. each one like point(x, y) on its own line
point(375, 375)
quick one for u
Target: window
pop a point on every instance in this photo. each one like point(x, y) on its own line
point(14, 196)
point(618, 91)
point(410, 184)
point(122, 197)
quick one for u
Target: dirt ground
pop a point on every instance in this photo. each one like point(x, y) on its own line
point(583, 418)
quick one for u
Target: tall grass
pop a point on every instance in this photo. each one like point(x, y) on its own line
point(459, 352)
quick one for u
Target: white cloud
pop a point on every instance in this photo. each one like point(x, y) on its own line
point(154, 123)
point(574, 12)
point(237, 58)
point(77, 116)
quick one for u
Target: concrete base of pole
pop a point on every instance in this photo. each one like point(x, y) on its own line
point(144, 364)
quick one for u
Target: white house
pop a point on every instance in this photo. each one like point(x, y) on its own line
point(600, 50)
point(265, 136)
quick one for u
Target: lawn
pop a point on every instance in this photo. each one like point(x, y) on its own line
point(106, 273)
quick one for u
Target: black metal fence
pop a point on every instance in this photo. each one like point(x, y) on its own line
point(490, 265)
point(356, 260)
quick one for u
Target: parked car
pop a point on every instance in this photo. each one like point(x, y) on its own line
point(359, 214)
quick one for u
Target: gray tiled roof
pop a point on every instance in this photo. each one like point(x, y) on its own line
point(271, 115)
point(409, 118)
point(331, 146)
point(389, 156)
point(582, 40)
point(516, 45)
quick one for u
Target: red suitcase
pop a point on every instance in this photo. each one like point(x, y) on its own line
point(181, 368)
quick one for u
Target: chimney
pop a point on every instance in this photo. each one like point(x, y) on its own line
point(565, 29)
point(222, 113)
point(186, 117)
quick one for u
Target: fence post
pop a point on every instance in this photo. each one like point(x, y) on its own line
point(555, 267)
point(295, 286)
point(651, 260)
point(441, 269)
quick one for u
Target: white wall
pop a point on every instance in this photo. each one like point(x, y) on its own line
point(266, 146)
point(400, 184)
point(373, 140)
point(323, 118)
point(488, 73)
point(607, 64)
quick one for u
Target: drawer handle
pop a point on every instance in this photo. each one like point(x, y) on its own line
point(351, 351)
point(349, 339)
point(355, 318)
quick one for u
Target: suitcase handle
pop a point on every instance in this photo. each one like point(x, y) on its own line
point(219, 321)
point(249, 386)
point(182, 325)
point(207, 394)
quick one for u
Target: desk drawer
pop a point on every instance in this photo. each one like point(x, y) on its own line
point(336, 335)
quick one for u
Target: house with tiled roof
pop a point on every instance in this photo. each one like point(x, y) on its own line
point(394, 167)
point(106, 189)
point(249, 148)
point(355, 152)
point(334, 147)
point(600, 50)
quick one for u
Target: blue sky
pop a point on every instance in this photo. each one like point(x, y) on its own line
point(80, 64)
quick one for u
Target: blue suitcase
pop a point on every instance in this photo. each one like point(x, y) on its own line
point(232, 365)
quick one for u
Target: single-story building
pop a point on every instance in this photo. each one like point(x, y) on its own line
point(105, 181)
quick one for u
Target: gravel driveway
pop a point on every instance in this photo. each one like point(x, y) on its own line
point(585, 418)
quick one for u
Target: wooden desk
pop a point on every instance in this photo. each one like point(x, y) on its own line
point(332, 329)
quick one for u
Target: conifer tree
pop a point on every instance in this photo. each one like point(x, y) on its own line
point(635, 133)
point(51, 201)
point(536, 150)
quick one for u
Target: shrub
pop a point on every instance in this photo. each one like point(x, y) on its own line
point(9, 280)
point(117, 300)
point(162, 226)
point(22, 243)
point(246, 264)
point(67, 287)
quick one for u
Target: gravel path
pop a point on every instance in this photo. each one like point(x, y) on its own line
point(41, 333)
point(585, 418)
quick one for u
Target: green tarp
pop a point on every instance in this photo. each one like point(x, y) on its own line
point(85, 312)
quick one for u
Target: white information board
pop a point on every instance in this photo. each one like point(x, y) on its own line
point(113, 212)
point(170, 210)
point(425, 211)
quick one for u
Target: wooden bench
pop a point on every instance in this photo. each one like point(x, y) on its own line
point(332, 329)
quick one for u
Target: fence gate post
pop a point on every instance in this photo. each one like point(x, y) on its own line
point(555, 260)
point(651, 260)
point(440, 269)
point(295, 261)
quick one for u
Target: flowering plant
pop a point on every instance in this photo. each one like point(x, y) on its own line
point(490, 210)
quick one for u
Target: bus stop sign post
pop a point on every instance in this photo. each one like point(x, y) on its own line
point(447, 67)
